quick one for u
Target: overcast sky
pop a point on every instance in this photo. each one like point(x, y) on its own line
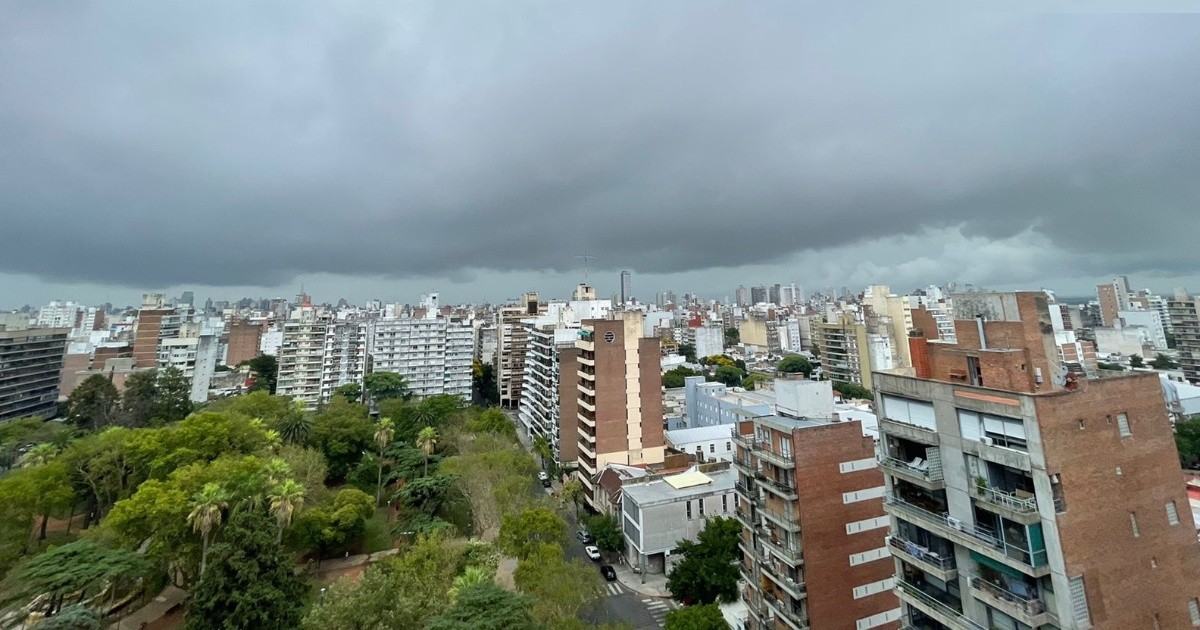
point(385, 149)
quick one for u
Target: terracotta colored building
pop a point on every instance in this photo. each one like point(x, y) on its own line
point(245, 339)
point(1023, 496)
point(814, 534)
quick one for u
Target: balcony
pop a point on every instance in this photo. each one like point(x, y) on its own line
point(772, 457)
point(780, 519)
point(980, 539)
point(789, 585)
point(792, 615)
point(586, 390)
point(744, 466)
point(1017, 505)
point(782, 490)
point(1030, 611)
point(944, 612)
point(913, 432)
point(942, 568)
point(987, 450)
point(745, 490)
point(779, 549)
point(744, 518)
point(586, 405)
point(587, 376)
point(586, 361)
point(916, 472)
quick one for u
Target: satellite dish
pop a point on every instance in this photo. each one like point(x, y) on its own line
point(1060, 379)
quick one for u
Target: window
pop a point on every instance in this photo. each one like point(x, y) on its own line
point(1079, 605)
point(1123, 425)
point(712, 448)
point(700, 504)
point(1194, 611)
point(909, 411)
point(993, 430)
point(689, 509)
point(725, 503)
point(728, 446)
point(1172, 513)
point(1133, 524)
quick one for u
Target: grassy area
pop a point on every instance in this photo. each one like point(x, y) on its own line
point(378, 536)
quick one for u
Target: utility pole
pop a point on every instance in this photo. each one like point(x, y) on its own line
point(586, 257)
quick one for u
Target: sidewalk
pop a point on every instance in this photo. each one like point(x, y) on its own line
point(655, 584)
point(170, 598)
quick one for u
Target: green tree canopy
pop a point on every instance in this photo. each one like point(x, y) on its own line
point(674, 378)
point(93, 404)
point(81, 566)
point(707, 617)
point(335, 525)
point(795, 364)
point(1187, 440)
point(73, 617)
point(492, 421)
point(383, 386)
point(485, 606)
point(1162, 362)
point(729, 375)
point(607, 532)
point(265, 370)
point(1136, 361)
point(709, 570)
point(137, 400)
point(732, 336)
point(853, 391)
point(343, 432)
point(688, 350)
point(521, 534)
point(172, 400)
point(560, 589)
point(753, 381)
point(352, 392)
point(250, 582)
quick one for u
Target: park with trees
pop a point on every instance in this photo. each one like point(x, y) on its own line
point(239, 502)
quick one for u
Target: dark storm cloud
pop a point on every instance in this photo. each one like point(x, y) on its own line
point(245, 144)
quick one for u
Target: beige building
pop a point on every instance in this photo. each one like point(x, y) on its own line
point(512, 336)
point(845, 353)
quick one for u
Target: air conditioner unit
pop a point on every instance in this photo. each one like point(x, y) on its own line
point(791, 582)
point(953, 522)
point(987, 440)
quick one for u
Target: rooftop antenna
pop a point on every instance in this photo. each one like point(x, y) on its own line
point(586, 257)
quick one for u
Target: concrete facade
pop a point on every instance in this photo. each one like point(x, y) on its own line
point(655, 515)
point(31, 361)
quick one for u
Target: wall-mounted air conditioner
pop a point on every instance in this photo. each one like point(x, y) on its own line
point(987, 440)
point(953, 522)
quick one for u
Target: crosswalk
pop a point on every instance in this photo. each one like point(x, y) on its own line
point(659, 608)
point(615, 589)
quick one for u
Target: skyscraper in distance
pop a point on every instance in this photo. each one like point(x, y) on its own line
point(626, 287)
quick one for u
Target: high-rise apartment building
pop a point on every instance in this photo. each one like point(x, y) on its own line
point(619, 396)
point(245, 338)
point(194, 354)
point(845, 350)
point(513, 340)
point(60, 315)
point(626, 287)
point(1184, 310)
point(301, 355)
point(1024, 496)
point(741, 296)
point(758, 294)
point(156, 320)
point(813, 527)
point(433, 352)
point(345, 354)
point(31, 361)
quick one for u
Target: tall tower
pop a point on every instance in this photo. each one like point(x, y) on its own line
point(626, 288)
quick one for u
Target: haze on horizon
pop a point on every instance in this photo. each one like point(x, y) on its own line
point(381, 149)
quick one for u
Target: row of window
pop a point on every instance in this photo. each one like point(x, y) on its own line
point(700, 506)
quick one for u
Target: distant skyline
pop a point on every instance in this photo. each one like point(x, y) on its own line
point(390, 149)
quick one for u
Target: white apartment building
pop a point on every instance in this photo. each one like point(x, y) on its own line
point(707, 443)
point(195, 356)
point(59, 315)
point(658, 511)
point(1151, 322)
point(301, 355)
point(433, 353)
point(709, 339)
point(345, 355)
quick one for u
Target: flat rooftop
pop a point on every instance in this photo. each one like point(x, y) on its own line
point(661, 491)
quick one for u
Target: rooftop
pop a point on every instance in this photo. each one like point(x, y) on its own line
point(696, 482)
point(700, 434)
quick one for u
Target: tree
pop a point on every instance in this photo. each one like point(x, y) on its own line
point(383, 386)
point(426, 440)
point(574, 492)
point(206, 514)
point(607, 532)
point(719, 360)
point(335, 525)
point(709, 571)
point(73, 617)
point(39, 454)
point(1162, 362)
point(287, 497)
point(83, 566)
point(486, 606)
point(852, 391)
point(707, 617)
point(1187, 440)
point(729, 375)
point(251, 582)
point(674, 379)
point(403, 591)
point(343, 432)
point(483, 384)
point(688, 350)
point(141, 388)
point(93, 404)
point(795, 364)
point(560, 589)
point(470, 577)
point(352, 392)
point(265, 370)
point(426, 495)
point(173, 400)
point(492, 421)
point(752, 381)
point(1112, 367)
point(732, 337)
point(521, 534)
point(384, 432)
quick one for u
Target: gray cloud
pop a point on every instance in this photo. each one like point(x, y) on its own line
point(153, 145)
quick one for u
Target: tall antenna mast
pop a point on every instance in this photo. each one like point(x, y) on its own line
point(586, 257)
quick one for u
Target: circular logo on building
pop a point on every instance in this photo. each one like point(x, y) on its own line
point(609, 336)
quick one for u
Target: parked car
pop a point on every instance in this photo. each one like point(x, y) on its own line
point(585, 537)
point(546, 483)
point(593, 552)
point(608, 572)
point(543, 476)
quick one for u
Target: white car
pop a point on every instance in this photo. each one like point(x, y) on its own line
point(542, 476)
point(593, 552)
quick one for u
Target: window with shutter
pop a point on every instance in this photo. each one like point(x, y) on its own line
point(1172, 513)
point(1079, 604)
point(1123, 425)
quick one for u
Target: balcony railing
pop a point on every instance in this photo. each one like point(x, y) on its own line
point(780, 519)
point(783, 490)
point(780, 548)
point(789, 585)
point(1009, 500)
point(792, 615)
point(1008, 601)
point(907, 468)
point(922, 554)
point(923, 599)
point(983, 535)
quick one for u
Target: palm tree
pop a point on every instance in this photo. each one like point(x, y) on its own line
point(427, 439)
point(294, 428)
point(39, 455)
point(383, 437)
point(470, 577)
point(286, 499)
point(206, 516)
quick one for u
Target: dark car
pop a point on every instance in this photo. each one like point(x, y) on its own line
point(608, 572)
point(546, 482)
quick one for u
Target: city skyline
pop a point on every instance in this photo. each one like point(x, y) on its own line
point(401, 149)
